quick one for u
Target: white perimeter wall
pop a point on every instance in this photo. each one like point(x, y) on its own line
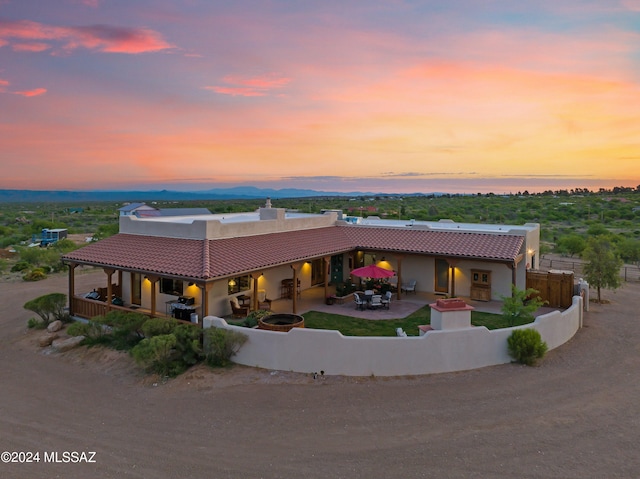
point(312, 350)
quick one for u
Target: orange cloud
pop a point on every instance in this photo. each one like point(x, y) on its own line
point(103, 38)
point(34, 92)
point(252, 86)
point(3, 85)
point(31, 47)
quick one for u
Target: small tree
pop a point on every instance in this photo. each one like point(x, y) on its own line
point(603, 267)
point(49, 307)
point(571, 244)
point(519, 308)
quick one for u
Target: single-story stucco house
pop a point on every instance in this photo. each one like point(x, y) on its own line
point(196, 263)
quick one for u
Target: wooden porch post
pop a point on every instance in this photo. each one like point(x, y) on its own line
point(206, 288)
point(153, 280)
point(326, 261)
point(254, 296)
point(109, 272)
point(452, 265)
point(399, 258)
point(295, 267)
point(72, 286)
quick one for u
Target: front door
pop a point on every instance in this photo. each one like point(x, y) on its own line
point(317, 271)
point(136, 289)
point(442, 276)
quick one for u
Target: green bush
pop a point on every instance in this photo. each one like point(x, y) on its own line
point(35, 323)
point(526, 346)
point(36, 274)
point(125, 328)
point(20, 266)
point(79, 329)
point(156, 354)
point(252, 318)
point(49, 307)
point(188, 345)
point(159, 326)
point(220, 344)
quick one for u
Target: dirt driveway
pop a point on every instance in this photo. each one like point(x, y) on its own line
point(574, 416)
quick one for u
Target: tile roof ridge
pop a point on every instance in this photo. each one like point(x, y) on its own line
point(206, 259)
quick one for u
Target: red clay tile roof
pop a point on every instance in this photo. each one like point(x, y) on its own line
point(205, 259)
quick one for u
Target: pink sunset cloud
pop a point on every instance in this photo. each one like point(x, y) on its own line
point(30, 93)
point(102, 38)
point(250, 86)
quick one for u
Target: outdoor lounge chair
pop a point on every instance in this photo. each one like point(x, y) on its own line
point(263, 301)
point(238, 311)
point(409, 287)
point(360, 303)
point(386, 299)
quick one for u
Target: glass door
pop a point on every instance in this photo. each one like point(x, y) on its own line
point(442, 276)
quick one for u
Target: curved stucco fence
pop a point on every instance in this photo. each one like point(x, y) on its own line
point(313, 350)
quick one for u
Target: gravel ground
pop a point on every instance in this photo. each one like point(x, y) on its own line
point(573, 416)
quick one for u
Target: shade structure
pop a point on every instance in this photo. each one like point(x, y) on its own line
point(372, 271)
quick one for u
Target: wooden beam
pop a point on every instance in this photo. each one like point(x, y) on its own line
point(72, 286)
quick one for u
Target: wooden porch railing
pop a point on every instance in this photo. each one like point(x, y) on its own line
point(89, 308)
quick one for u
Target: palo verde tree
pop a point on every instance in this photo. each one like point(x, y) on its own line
point(519, 308)
point(602, 269)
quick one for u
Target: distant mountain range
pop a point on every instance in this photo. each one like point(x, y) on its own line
point(238, 192)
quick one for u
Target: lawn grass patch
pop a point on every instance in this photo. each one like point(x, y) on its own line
point(350, 326)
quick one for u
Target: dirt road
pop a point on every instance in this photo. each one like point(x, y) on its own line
point(574, 416)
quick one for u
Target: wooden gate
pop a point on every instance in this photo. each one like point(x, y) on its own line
point(554, 287)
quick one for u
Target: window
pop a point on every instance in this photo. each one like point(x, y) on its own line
point(171, 286)
point(240, 283)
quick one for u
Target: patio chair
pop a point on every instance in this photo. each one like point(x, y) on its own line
point(376, 301)
point(386, 300)
point(263, 301)
point(409, 287)
point(238, 311)
point(360, 304)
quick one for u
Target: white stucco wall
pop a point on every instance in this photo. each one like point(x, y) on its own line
point(311, 350)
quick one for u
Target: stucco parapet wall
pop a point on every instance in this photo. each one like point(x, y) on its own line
point(203, 228)
point(308, 350)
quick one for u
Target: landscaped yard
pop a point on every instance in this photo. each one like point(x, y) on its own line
point(350, 326)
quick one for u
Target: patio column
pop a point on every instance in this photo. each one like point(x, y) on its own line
point(326, 261)
point(109, 272)
point(204, 302)
point(295, 267)
point(72, 286)
point(254, 296)
point(153, 280)
point(399, 258)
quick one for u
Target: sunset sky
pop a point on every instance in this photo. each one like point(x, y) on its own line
point(335, 95)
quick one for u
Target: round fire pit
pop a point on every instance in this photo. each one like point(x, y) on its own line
point(281, 322)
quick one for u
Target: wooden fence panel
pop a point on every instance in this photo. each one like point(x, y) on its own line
point(556, 288)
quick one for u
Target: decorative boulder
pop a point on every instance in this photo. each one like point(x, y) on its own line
point(46, 339)
point(54, 326)
point(62, 345)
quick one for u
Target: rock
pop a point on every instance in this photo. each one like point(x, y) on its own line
point(54, 326)
point(46, 339)
point(62, 345)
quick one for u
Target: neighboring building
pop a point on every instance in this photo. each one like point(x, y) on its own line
point(161, 260)
point(134, 208)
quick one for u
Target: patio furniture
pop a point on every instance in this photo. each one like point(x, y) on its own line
point(263, 301)
point(238, 311)
point(386, 300)
point(409, 287)
point(376, 301)
point(360, 304)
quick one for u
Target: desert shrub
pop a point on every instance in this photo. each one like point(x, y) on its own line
point(519, 308)
point(3, 265)
point(78, 329)
point(20, 266)
point(252, 318)
point(220, 344)
point(188, 344)
point(49, 307)
point(526, 346)
point(36, 274)
point(158, 326)
point(156, 354)
point(35, 323)
point(125, 328)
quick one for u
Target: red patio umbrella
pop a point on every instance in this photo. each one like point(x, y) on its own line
point(372, 271)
